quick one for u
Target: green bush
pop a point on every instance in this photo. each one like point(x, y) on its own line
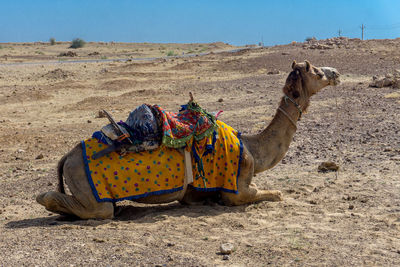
point(310, 39)
point(52, 41)
point(77, 43)
point(170, 54)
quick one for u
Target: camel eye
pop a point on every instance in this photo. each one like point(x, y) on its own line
point(318, 73)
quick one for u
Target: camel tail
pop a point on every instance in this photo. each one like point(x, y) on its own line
point(60, 170)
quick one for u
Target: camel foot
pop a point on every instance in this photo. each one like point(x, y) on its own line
point(252, 195)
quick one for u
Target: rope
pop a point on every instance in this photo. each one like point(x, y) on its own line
point(287, 115)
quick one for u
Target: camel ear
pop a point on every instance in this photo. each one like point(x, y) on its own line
point(308, 65)
point(293, 64)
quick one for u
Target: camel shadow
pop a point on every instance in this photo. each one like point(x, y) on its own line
point(136, 214)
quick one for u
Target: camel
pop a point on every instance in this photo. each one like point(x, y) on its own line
point(261, 152)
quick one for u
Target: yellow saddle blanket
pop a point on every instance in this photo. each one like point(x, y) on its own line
point(135, 175)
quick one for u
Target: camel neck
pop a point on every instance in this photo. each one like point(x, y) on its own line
point(271, 145)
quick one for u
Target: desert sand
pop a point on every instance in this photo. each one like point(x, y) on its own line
point(345, 218)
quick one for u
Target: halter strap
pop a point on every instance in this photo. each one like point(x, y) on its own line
point(286, 97)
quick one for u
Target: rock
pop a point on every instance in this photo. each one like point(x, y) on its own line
point(220, 100)
point(68, 54)
point(388, 80)
point(226, 248)
point(328, 166)
point(273, 72)
point(89, 121)
point(40, 156)
point(225, 257)
point(95, 53)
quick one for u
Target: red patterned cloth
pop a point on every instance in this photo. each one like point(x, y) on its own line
point(190, 122)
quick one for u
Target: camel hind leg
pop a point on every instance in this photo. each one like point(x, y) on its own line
point(247, 191)
point(65, 204)
point(81, 203)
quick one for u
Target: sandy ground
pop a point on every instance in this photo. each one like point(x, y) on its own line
point(349, 218)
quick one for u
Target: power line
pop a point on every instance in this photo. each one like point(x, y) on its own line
point(385, 27)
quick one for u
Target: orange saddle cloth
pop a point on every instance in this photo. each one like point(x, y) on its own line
point(135, 175)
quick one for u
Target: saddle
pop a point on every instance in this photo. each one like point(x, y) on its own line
point(147, 127)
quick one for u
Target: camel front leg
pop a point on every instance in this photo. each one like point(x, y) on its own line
point(251, 194)
point(247, 191)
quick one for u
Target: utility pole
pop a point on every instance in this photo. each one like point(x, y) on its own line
point(340, 32)
point(362, 31)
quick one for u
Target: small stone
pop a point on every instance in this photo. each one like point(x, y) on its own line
point(226, 248)
point(40, 156)
point(220, 100)
point(313, 202)
point(272, 72)
point(89, 121)
point(328, 166)
point(351, 207)
point(170, 244)
point(225, 257)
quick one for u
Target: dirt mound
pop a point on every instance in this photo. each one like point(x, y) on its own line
point(58, 74)
point(219, 45)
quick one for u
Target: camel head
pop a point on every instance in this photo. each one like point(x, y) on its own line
point(306, 80)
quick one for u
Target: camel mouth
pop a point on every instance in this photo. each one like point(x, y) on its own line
point(332, 75)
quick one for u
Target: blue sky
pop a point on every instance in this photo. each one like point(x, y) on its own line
point(234, 22)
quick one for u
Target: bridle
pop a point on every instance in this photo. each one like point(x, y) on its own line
point(286, 98)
